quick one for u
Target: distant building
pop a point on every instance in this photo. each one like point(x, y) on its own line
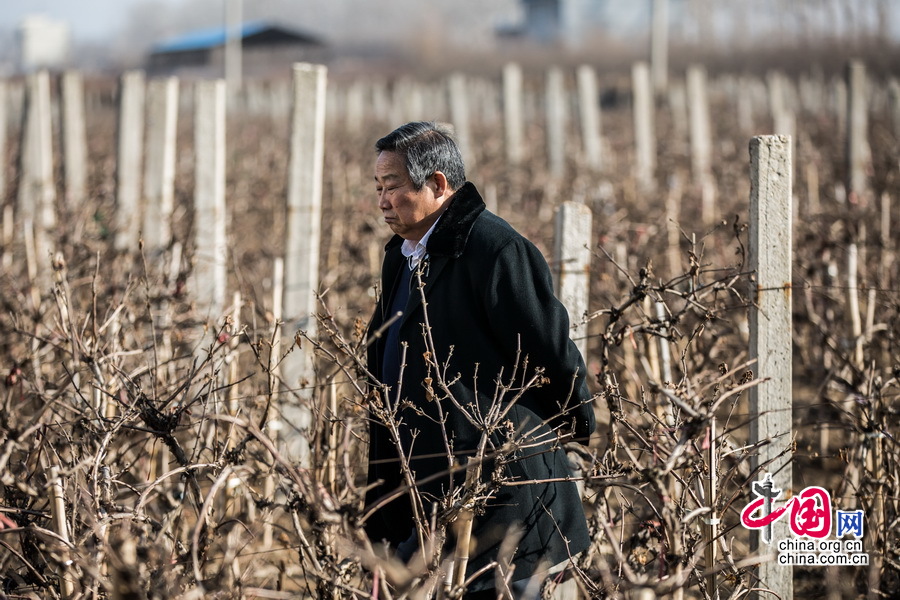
point(43, 44)
point(573, 22)
point(556, 22)
point(266, 48)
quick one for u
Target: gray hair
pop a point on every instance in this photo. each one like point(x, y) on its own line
point(428, 147)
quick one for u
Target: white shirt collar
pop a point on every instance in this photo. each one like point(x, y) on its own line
point(416, 251)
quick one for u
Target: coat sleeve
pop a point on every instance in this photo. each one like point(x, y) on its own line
point(524, 313)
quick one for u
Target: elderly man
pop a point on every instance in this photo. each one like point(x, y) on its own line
point(490, 323)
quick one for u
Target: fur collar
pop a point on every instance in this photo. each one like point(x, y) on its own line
point(452, 232)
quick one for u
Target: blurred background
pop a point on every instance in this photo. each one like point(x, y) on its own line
point(411, 36)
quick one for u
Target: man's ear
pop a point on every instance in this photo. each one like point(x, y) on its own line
point(441, 187)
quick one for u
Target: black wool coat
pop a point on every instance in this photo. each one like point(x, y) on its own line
point(489, 298)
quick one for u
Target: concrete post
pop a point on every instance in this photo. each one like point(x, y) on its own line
point(304, 210)
point(645, 138)
point(673, 230)
point(210, 274)
point(37, 192)
point(512, 113)
point(74, 137)
point(129, 160)
point(770, 333)
point(159, 168)
point(589, 109)
point(556, 122)
point(572, 258)
point(698, 107)
point(859, 156)
point(701, 140)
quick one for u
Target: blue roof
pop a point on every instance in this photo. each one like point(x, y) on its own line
point(204, 39)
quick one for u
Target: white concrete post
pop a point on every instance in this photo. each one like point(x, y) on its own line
point(589, 109)
point(37, 192)
point(129, 160)
point(698, 107)
point(858, 152)
point(304, 208)
point(555, 104)
point(159, 167)
point(659, 45)
point(459, 116)
point(74, 137)
point(645, 137)
point(673, 230)
point(701, 139)
point(512, 113)
point(210, 274)
point(572, 258)
point(770, 333)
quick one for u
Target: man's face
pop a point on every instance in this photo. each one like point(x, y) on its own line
point(409, 213)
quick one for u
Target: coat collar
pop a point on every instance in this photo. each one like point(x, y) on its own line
point(452, 232)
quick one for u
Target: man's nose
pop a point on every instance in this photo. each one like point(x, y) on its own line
point(383, 203)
